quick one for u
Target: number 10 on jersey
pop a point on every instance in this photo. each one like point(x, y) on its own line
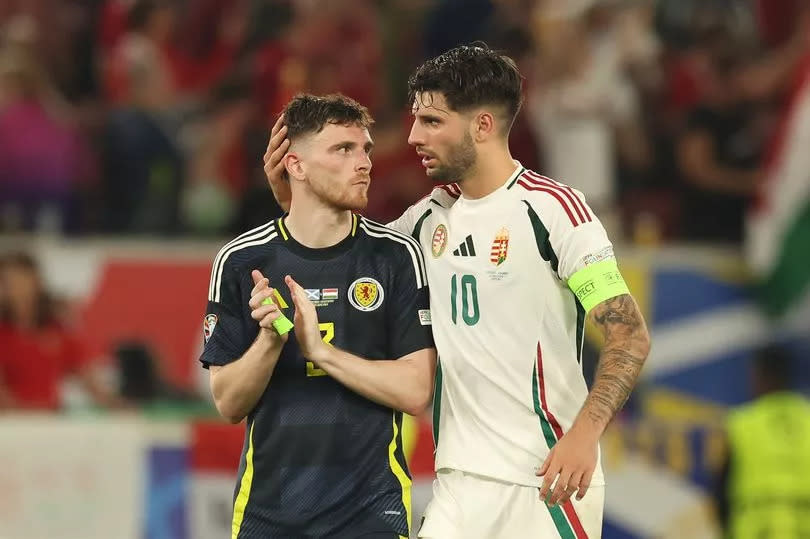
point(469, 299)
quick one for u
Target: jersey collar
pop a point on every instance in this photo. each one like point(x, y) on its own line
point(324, 253)
point(496, 194)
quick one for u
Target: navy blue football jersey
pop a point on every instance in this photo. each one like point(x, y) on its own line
point(320, 460)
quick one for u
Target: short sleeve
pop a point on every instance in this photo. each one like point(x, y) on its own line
point(223, 325)
point(408, 307)
point(577, 237)
point(571, 239)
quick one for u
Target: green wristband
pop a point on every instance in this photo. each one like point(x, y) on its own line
point(595, 283)
point(282, 323)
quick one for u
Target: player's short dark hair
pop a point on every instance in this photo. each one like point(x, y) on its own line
point(308, 114)
point(470, 76)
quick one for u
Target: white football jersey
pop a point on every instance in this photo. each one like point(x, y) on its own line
point(508, 329)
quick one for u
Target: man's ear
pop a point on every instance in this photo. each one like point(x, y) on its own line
point(484, 126)
point(294, 166)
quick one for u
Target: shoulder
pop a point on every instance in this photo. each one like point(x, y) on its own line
point(251, 241)
point(242, 247)
point(552, 200)
point(442, 196)
point(401, 247)
point(383, 236)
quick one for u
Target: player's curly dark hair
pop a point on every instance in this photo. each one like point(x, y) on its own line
point(307, 113)
point(470, 76)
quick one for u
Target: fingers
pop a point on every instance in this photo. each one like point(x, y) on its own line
point(278, 125)
point(275, 159)
point(257, 298)
point(257, 279)
point(295, 288)
point(261, 312)
point(276, 171)
point(267, 321)
point(559, 488)
point(544, 468)
point(584, 484)
point(548, 479)
point(278, 142)
point(569, 487)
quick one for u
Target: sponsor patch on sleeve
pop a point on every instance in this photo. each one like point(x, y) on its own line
point(424, 317)
point(208, 325)
point(593, 258)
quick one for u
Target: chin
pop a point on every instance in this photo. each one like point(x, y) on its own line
point(354, 204)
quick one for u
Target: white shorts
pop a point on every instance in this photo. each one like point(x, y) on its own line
point(469, 506)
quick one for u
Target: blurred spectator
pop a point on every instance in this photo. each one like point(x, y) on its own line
point(143, 167)
point(137, 70)
point(720, 150)
point(141, 381)
point(764, 486)
point(38, 349)
point(583, 104)
point(219, 164)
point(43, 159)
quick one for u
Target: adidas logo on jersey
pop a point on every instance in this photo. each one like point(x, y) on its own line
point(466, 248)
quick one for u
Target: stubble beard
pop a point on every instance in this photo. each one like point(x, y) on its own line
point(460, 159)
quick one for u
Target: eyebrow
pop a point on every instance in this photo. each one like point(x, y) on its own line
point(427, 116)
point(351, 145)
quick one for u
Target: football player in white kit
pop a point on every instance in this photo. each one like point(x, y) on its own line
point(516, 261)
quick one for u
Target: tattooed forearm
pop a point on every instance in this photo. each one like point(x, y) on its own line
point(627, 344)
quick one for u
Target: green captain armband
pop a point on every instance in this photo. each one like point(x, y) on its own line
point(282, 323)
point(595, 283)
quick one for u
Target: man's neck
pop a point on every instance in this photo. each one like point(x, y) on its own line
point(317, 226)
point(491, 170)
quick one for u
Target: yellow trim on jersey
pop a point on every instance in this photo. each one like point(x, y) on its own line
point(399, 472)
point(281, 229)
point(354, 224)
point(596, 283)
point(244, 489)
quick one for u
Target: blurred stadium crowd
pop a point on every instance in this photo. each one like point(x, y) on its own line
point(151, 116)
point(148, 119)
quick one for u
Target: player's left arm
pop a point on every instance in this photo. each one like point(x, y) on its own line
point(627, 344)
point(589, 268)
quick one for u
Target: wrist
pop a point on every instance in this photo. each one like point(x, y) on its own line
point(268, 340)
point(588, 428)
point(323, 355)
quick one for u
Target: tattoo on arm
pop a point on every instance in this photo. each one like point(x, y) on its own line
point(627, 344)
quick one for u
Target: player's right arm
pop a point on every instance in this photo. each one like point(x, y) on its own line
point(239, 369)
